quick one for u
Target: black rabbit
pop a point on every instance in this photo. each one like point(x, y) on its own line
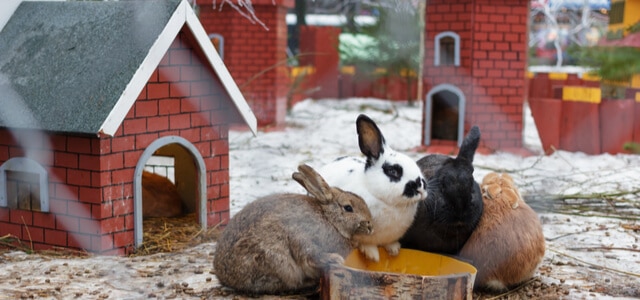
point(453, 208)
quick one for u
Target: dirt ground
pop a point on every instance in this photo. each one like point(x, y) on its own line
point(185, 270)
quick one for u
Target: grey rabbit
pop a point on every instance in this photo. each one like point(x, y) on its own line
point(453, 208)
point(280, 244)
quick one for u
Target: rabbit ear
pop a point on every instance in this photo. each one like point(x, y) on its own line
point(309, 179)
point(470, 144)
point(370, 138)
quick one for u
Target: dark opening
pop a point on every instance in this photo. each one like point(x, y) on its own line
point(444, 116)
point(170, 196)
point(616, 13)
point(447, 51)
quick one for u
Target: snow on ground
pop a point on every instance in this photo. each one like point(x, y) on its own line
point(592, 245)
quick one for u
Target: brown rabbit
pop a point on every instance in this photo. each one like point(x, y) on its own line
point(160, 197)
point(507, 245)
point(281, 243)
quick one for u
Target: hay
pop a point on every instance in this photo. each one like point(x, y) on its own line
point(10, 242)
point(159, 235)
point(172, 234)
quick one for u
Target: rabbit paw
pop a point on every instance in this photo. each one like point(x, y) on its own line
point(393, 249)
point(501, 187)
point(331, 259)
point(491, 191)
point(371, 252)
point(512, 197)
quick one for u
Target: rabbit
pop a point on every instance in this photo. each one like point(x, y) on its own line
point(160, 197)
point(280, 244)
point(508, 244)
point(389, 182)
point(453, 208)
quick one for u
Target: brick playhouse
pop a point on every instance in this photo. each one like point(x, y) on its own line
point(89, 92)
point(474, 71)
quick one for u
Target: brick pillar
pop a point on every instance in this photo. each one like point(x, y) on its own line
point(255, 55)
point(499, 78)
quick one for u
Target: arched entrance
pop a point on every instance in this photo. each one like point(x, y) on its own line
point(444, 114)
point(190, 178)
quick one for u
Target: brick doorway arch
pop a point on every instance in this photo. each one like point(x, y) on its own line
point(190, 174)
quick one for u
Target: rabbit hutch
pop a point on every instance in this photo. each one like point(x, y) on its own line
point(92, 93)
point(474, 70)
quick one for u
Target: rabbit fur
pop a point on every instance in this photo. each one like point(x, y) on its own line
point(160, 198)
point(389, 182)
point(444, 222)
point(281, 243)
point(508, 244)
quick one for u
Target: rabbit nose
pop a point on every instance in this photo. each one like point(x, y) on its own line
point(423, 195)
point(366, 227)
point(422, 188)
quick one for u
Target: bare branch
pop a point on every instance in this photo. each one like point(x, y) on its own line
point(244, 8)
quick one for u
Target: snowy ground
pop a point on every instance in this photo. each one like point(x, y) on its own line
point(592, 245)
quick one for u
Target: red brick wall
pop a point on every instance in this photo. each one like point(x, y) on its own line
point(75, 198)
point(91, 179)
point(319, 47)
point(493, 45)
point(256, 57)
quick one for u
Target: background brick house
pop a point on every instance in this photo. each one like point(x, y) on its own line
point(256, 54)
point(89, 92)
point(474, 71)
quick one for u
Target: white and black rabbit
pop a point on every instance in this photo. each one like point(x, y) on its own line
point(453, 208)
point(280, 244)
point(389, 182)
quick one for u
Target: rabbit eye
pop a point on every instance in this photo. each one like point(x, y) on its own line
point(394, 172)
point(348, 208)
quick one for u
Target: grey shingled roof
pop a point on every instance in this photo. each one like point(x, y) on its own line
point(64, 65)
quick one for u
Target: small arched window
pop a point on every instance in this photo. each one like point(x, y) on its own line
point(218, 42)
point(447, 49)
point(24, 184)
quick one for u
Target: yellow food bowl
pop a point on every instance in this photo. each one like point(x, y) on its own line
point(412, 274)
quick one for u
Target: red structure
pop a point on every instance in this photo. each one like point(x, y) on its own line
point(319, 48)
point(582, 112)
point(255, 54)
point(322, 76)
point(475, 71)
point(571, 114)
point(71, 164)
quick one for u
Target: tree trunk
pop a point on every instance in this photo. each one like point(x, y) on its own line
point(341, 282)
point(422, 6)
